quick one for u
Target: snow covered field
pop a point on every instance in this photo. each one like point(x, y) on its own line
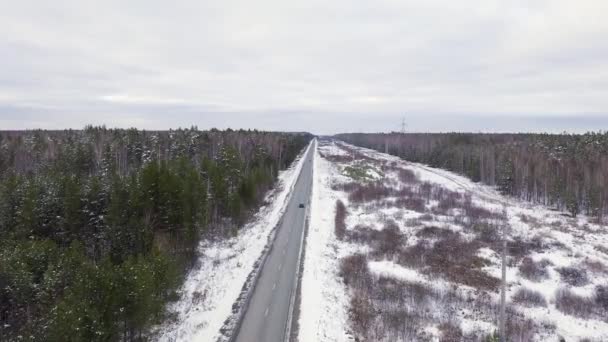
point(419, 259)
point(215, 284)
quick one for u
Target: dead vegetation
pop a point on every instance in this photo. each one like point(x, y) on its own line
point(520, 329)
point(529, 297)
point(451, 257)
point(534, 271)
point(570, 303)
point(385, 243)
point(433, 232)
point(595, 306)
point(573, 276)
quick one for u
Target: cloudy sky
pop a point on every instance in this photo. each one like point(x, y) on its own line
point(315, 65)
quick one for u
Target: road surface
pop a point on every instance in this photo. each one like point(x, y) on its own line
point(268, 313)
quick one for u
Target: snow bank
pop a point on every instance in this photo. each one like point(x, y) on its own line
point(324, 301)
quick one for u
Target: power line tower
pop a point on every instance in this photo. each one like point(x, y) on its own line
point(403, 126)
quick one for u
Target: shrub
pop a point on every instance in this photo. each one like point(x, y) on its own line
point(390, 239)
point(407, 176)
point(520, 248)
point(426, 217)
point(361, 234)
point(450, 333)
point(434, 232)
point(385, 242)
point(336, 158)
point(411, 203)
point(361, 313)
point(425, 190)
point(535, 271)
point(601, 297)
point(340, 220)
point(452, 257)
point(572, 304)
point(573, 276)
point(488, 233)
point(529, 297)
point(369, 192)
point(347, 187)
point(601, 249)
point(519, 329)
point(354, 270)
point(447, 200)
point(359, 173)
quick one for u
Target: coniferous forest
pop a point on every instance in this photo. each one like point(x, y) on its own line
point(565, 171)
point(98, 226)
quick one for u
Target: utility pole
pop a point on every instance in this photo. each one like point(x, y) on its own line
point(503, 290)
point(503, 287)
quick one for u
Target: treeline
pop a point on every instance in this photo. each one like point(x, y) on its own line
point(565, 171)
point(97, 226)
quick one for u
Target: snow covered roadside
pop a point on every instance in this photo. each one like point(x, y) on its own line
point(324, 298)
point(214, 286)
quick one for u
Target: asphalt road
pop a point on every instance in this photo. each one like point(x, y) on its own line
point(267, 316)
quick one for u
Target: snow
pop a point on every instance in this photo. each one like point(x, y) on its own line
point(211, 289)
point(393, 270)
point(214, 286)
point(324, 302)
point(567, 241)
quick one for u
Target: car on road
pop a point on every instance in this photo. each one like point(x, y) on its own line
point(301, 205)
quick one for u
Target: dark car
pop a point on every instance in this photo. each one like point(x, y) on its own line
point(301, 205)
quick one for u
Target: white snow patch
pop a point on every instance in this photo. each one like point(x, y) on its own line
point(324, 301)
point(392, 270)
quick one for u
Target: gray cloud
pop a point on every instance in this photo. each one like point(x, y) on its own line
point(316, 65)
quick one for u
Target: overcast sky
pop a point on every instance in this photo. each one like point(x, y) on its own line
point(315, 65)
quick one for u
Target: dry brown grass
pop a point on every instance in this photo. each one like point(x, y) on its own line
point(451, 257)
point(411, 203)
point(450, 333)
point(370, 192)
point(535, 271)
point(572, 304)
point(528, 297)
point(386, 242)
point(407, 176)
point(354, 271)
point(520, 329)
point(433, 232)
point(573, 276)
point(601, 299)
point(334, 158)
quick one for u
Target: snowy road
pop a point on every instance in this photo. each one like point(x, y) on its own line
point(270, 307)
